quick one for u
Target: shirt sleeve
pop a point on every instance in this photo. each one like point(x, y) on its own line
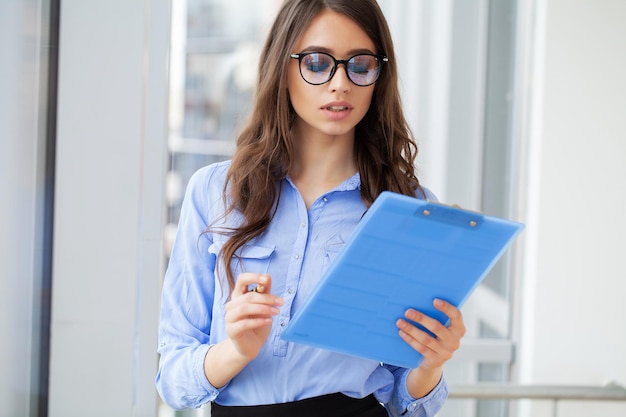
point(186, 305)
point(403, 404)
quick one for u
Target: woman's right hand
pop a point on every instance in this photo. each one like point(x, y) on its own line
point(248, 325)
point(249, 313)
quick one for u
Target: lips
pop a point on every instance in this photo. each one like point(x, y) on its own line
point(337, 110)
point(337, 106)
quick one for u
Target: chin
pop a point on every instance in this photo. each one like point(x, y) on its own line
point(346, 129)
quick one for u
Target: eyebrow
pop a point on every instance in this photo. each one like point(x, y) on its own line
point(351, 52)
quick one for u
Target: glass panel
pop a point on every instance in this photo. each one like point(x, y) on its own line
point(488, 312)
point(213, 69)
point(215, 48)
point(497, 146)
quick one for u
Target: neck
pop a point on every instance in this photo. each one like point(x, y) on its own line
point(321, 163)
point(324, 158)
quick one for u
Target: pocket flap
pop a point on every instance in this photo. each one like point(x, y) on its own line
point(255, 252)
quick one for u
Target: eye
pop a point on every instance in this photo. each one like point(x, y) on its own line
point(317, 63)
point(362, 64)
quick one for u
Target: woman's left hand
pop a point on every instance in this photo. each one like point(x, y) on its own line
point(436, 350)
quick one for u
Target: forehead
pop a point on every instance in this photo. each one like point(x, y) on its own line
point(335, 33)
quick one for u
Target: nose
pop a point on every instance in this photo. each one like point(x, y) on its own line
point(340, 80)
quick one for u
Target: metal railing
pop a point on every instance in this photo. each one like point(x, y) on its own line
point(554, 393)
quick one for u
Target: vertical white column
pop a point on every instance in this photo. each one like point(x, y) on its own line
point(112, 123)
point(574, 273)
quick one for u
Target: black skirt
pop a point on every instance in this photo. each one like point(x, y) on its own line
point(331, 405)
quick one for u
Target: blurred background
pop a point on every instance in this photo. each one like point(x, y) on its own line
point(107, 108)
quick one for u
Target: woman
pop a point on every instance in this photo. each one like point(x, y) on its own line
point(326, 136)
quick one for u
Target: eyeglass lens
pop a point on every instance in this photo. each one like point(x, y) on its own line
point(319, 67)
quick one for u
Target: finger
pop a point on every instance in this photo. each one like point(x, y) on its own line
point(440, 338)
point(432, 357)
point(457, 325)
point(436, 351)
point(422, 342)
point(414, 334)
point(248, 310)
point(242, 326)
point(247, 279)
point(252, 303)
point(429, 323)
point(263, 284)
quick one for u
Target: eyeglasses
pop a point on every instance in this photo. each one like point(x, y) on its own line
point(319, 67)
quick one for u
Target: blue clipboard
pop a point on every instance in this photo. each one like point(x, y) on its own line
point(405, 252)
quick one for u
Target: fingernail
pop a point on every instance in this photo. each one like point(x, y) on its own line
point(411, 314)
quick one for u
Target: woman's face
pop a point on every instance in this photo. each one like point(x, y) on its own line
point(336, 107)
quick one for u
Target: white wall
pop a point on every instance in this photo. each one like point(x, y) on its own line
point(574, 279)
point(112, 126)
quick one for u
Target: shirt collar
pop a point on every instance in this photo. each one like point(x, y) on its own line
point(350, 184)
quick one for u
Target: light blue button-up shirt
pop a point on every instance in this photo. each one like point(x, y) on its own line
point(295, 250)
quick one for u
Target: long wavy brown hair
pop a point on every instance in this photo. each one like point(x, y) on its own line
point(384, 146)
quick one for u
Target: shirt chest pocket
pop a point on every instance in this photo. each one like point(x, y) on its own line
point(252, 258)
point(331, 249)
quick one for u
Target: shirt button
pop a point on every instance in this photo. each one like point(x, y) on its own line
point(296, 256)
point(290, 290)
point(325, 199)
point(303, 224)
point(282, 323)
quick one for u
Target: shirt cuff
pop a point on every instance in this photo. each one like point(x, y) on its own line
point(425, 406)
point(201, 378)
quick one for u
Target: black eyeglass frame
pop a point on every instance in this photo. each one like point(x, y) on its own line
point(381, 58)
